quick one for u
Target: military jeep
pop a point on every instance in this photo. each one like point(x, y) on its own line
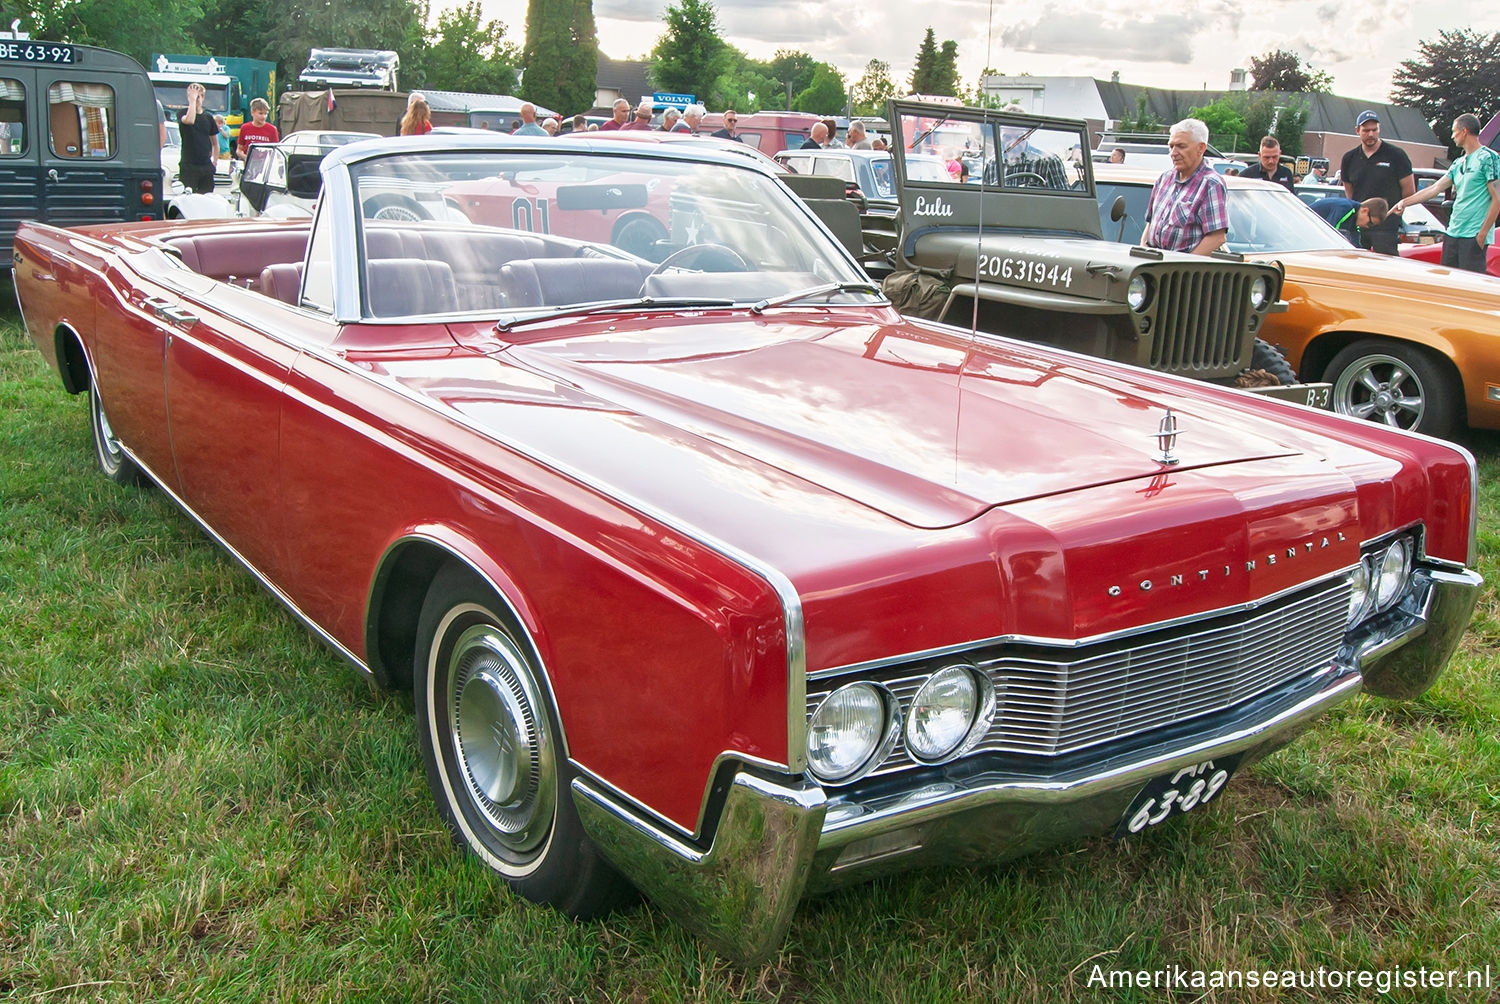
point(1013, 244)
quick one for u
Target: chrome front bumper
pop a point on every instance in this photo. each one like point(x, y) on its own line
point(777, 839)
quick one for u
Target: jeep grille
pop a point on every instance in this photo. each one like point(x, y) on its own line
point(1199, 321)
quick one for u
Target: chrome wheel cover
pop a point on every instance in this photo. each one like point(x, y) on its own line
point(501, 741)
point(1381, 388)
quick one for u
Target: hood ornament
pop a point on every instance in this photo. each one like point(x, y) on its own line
point(1166, 438)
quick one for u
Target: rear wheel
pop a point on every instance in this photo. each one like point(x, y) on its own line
point(1395, 384)
point(492, 748)
point(113, 461)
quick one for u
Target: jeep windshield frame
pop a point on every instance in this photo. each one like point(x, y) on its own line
point(1046, 187)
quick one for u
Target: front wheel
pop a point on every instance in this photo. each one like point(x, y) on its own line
point(1395, 384)
point(114, 462)
point(492, 748)
point(1265, 356)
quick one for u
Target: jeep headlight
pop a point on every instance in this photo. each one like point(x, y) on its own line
point(1138, 293)
point(850, 732)
point(949, 713)
point(1260, 292)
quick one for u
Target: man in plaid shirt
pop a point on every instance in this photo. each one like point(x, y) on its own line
point(1187, 211)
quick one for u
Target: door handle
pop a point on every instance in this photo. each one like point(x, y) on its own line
point(167, 310)
point(52, 175)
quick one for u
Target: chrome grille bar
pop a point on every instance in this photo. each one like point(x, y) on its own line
point(1085, 697)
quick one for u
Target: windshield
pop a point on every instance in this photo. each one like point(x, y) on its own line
point(1260, 219)
point(541, 231)
point(174, 96)
point(1265, 219)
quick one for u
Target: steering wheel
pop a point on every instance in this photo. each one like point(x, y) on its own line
point(712, 254)
point(1025, 179)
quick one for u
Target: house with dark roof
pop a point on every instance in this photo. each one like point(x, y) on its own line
point(620, 78)
point(1330, 121)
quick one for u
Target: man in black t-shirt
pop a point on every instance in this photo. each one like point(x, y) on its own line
point(1270, 167)
point(1376, 169)
point(200, 143)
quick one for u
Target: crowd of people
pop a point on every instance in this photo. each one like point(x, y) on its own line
point(1188, 206)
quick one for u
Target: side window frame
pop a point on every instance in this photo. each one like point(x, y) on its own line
point(88, 127)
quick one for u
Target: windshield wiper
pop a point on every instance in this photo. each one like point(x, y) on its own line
point(606, 306)
point(812, 291)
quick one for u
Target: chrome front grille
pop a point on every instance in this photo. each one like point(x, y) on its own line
point(1200, 319)
point(1051, 701)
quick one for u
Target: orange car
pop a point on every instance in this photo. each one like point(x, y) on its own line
point(1403, 342)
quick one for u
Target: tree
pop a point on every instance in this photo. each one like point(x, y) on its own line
point(1457, 72)
point(874, 89)
point(1144, 119)
point(134, 27)
point(1291, 124)
point(927, 56)
point(467, 53)
point(690, 56)
point(945, 70)
point(1226, 124)
point(825, 95)
point(793, 69)
point(561, 57)
point(1283, 70)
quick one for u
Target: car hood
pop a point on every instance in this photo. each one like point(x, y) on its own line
point(923, 424)
point(1366, 272)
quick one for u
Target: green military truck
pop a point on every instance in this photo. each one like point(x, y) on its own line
point(1012, 241)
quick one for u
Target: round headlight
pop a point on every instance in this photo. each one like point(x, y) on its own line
point(1359, 591)
point(1137, 293)
point(1390, 576)
point(942, 713)
point(847, 730)
point(1260, 292)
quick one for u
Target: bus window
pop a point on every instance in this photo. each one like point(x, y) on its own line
point(12, 117)
point(83, 119)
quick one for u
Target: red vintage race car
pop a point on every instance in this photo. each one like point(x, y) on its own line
point(714, 576)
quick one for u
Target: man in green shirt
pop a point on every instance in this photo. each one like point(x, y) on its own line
point(1475, 180)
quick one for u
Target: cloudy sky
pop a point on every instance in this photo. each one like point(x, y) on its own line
point(1191, 43)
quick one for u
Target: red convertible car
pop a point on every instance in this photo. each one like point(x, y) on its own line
point(712, 575)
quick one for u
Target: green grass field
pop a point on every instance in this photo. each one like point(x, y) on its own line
point(198, 801)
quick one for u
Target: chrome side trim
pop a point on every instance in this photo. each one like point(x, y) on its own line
point(740, 894)
point(270, 586)
point(377, 589)
point(640, 808)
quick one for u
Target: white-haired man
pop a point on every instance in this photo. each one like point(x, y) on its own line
point(692, 118)
point(1188, 209)
point(671, 119)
